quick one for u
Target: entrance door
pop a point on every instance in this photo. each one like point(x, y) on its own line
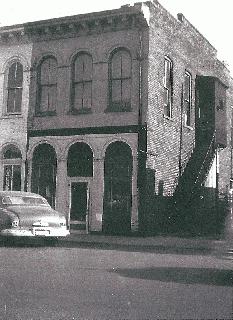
point(79, 206)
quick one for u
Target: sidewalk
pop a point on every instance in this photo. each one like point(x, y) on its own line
point(156, 243)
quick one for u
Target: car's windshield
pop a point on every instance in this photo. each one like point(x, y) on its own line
point(23, 200)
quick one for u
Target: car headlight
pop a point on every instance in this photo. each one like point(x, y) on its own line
point(15, 223)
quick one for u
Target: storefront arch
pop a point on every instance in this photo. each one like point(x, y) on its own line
point(80, 160)
point(44, 167)
point(117, 188)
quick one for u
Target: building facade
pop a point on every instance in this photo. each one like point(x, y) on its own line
point(117, 108)
point(15, 60)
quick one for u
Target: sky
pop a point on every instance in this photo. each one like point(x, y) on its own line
point(212, 18)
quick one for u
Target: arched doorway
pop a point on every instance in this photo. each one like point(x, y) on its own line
point(80, 172)
point(12, 167)
point(117, 189)
point(44, 165)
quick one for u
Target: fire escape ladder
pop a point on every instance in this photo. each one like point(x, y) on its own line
point(195, 173)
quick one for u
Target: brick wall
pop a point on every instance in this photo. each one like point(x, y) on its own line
point(188, 50)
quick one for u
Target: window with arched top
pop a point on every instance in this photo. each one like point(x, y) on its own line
point(118, 164)
point(120, 81)
point(14, 88)
point(12, 163)
point(81, 90)
point(80, 160)
point(47, 86)
point(44, 171)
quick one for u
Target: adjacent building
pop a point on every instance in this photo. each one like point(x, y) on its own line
point(124, 121)
point(15, 61)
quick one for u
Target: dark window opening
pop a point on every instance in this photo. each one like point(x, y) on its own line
point(15, 88)
point(120, 81)
point(47, 86)
point(168, 87)
point(81, 93)
point(187, 98)
point(80, 161)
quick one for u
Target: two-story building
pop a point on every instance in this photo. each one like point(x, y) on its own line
point(15, 59)
point(128, 121)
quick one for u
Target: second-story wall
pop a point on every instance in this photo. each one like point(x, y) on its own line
point(100, 46)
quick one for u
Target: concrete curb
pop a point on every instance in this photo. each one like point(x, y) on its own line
point(162, 243)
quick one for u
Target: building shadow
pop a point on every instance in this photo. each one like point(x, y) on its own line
point(203, 276)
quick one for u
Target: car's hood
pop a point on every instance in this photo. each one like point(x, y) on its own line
point(30, 214)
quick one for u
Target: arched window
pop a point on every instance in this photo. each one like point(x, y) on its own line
point(47, 86)
point(81, 93)
point(44, 167)
point(80, 160)
point(14, 88)
point(12, 159)
point(117, 188)
point(120, 81)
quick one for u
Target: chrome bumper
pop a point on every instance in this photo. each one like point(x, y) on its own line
point(36, 232)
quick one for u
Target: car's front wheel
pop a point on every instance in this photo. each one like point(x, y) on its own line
point(7, 241)
point(50, 241)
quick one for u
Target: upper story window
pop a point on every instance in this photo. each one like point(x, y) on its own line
point(168, 87)
point(120, 81)
point(14, 88)
point(81, 94)
point(187, 97)
point(47, 86)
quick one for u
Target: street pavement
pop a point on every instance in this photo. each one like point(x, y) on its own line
point(69, 281)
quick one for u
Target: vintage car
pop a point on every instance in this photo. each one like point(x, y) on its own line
point(24, 214)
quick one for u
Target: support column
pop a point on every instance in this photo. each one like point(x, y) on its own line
point(29, 174)
point(23, 174)
point(62, 203)
point(134, 214)
point(1, 175)
point(97, 195)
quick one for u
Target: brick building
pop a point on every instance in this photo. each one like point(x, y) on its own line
point(15, 59)
point(128, 120)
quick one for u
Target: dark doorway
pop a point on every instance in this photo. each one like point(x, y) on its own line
point(79, 205)
point(44, 167)
point(117, 189)
point(79, 164)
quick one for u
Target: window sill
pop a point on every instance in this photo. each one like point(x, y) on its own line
point(46, 114)
point(11, 115)
point(80, 111)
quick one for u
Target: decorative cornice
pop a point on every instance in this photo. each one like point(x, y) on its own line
point(12, 34)
point(85, 24)
point(75, 26)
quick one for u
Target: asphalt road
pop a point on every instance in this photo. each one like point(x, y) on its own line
point(71, 283)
